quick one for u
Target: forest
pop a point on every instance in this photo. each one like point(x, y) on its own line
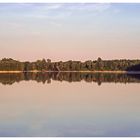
point(9, 64)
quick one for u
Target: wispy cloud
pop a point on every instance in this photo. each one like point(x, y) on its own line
point(89, 7)
point(53, 14)
point(64, 10)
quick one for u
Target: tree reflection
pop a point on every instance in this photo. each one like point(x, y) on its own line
point(9, 79)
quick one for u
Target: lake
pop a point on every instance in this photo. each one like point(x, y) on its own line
point(69, 105)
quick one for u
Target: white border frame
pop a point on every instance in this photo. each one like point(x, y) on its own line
point(70, 1)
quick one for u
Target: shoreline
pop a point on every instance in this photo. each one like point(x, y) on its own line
point(123, 72)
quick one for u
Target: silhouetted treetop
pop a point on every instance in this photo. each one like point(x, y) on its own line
point(8, 64)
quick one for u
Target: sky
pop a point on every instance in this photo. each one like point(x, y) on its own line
point(69, 31)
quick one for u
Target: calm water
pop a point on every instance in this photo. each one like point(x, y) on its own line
point(69, 104)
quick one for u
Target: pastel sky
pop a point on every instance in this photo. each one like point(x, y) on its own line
point(69, 31)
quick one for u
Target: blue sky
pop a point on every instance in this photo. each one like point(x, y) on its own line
point(69, 31)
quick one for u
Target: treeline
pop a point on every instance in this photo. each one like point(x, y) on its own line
point(9, 79)
point(8, 64)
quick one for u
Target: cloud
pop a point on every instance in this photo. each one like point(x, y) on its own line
point(89, 7)
point(64, 10)
point(51, 13)
point(54, 6)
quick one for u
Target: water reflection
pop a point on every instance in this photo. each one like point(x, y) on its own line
point(69, 77)
point(69, 109)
